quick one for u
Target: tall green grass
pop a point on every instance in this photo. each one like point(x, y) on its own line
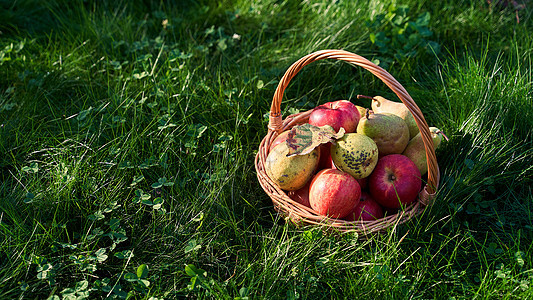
point(127, 145)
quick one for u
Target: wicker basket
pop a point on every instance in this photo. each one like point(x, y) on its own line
point(303, 215)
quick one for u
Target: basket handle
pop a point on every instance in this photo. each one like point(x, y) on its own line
point(276, 121)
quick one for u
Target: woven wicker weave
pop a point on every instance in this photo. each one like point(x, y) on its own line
point(305, 216)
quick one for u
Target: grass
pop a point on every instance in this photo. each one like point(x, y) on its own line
point(128, 133)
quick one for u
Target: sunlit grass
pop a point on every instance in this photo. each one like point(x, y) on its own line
point(128, 135)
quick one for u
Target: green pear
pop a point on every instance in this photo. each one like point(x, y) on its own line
point(355, 154)
point(388, 131)
point(290, 173)
point(362, 110)
point(416, 151)
point(382, 105)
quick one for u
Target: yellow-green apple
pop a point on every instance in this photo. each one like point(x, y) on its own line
point(293, 172)
point(395, 181)
point(366, 210)
point(337, 114)
point(333, 193)
point(302, 195)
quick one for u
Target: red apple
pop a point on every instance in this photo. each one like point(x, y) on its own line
point(333, 193)
point(325, 161)
point(302, 195)
point(363, 182)
point(366, 210)
point(337, 114)
point(395, 181)
point(282, 137)
point(389, 211)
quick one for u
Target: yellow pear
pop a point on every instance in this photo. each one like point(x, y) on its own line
point(416, 151)
point(355, 154)
point(382, 105)
point(362, 110)
point(290, 173)
point(388, 131)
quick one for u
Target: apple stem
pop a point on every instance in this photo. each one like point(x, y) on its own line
point(364, 97)
point(440, 132)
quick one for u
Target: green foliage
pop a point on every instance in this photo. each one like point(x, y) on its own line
point(128, 133)
point(399, 37)
point(11, 50)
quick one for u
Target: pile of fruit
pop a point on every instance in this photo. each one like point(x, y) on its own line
point(350, 162)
